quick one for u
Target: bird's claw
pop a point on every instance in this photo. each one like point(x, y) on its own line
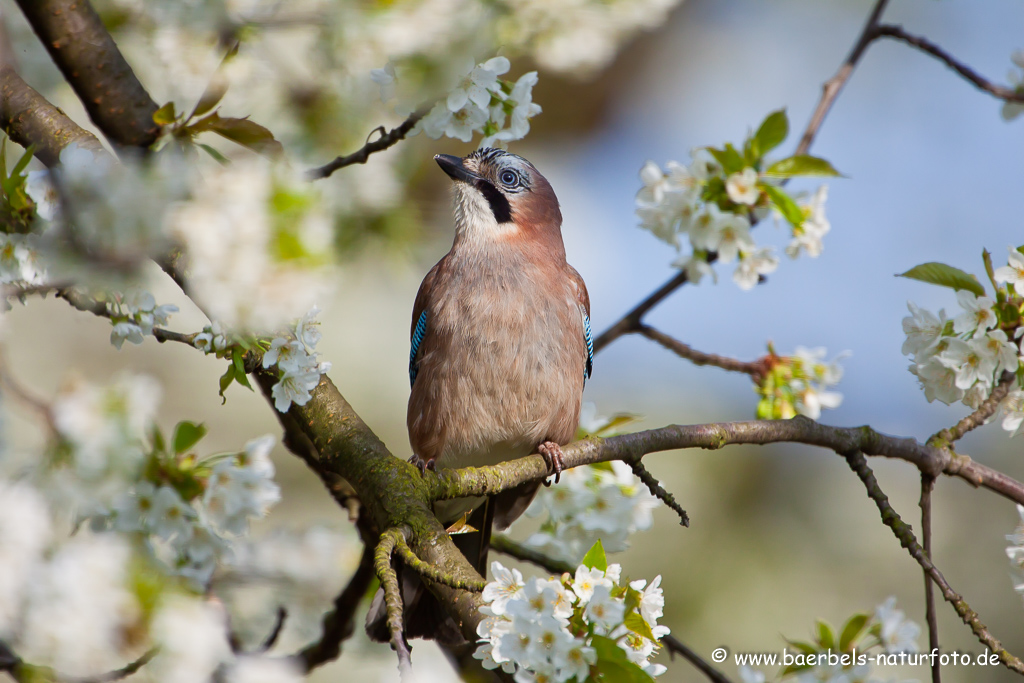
point(423, 465)
point(553, 456)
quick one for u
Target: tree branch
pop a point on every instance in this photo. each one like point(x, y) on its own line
point(986, 410)
point(756, 369)
point(969, 74)
point(392, 596)
point(677, 647)
point(631, 321)
point(386, 139)
point(906, 538)
point(833, 86)
point(659, 492)
point(29, 119)
point(927, 485)
point(632, 447)
point(86, 54)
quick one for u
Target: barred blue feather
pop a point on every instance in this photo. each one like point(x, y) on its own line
point(417, 339)
point(590, 346)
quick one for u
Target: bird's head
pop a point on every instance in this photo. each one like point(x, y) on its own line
point(501, 195)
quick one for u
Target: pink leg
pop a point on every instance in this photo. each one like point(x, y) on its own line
point(422, 464)
point(553, 456)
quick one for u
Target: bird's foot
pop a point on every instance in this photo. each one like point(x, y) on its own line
point(422, 464)
point(555, 459)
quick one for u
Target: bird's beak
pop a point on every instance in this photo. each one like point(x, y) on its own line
point(452, 165)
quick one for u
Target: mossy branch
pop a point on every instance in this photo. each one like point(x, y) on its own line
point(392, 595)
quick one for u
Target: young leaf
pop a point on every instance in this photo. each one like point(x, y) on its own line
point(826, 637)
point(186, 435)
point(729, 159)
point(225, 381)
point(772, 132)
point(595, 557)
point(211, 96)
point(635, 623)
point(221, 159)
point(852, 631)
point(801, 164)
point(945, 276)
point(23, 161)
point(164, 115)
point(246, 133)
point(613, 665)
point(239, 363)
point(785, 204)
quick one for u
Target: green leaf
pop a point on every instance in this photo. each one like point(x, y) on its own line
point(213, 94)
point(221, 159)
point(635, 623)
point(785, 204)
point(729, 159)
point(187, 434)
point(803, 646)
point(243, 131)
point(595, 557)
point(801, 164)
point(225, 381)
point(772, 132)
point(23, 161)
point(239, 363)
point(164, 115)
point(852, 630)
point(157, 437)
point(945, 276)
point(826, 636)
point(613, 666)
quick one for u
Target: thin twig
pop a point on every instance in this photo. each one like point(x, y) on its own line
point(117, 674)
point(27, 397)
point(275, 632)
point(506, 546)
point(659, 492)
point(629, 322)
point(830, 91)
point(927, 485)
point(416, 564)
point(756, 369)
point(677, 647)
point(339, 623)
point(928, 47)
point(99, 308)
point(986, 410)
point(392, 597)
point(905, 534)
point(386, 139)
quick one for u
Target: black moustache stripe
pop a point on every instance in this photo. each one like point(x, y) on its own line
point(500, 207)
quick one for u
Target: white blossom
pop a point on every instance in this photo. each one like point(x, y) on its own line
point(978, 315)
point(1013, 411)
point(938, 380)
point(507, 584)
point(922, 327)
point(192, 636)
point(971, 361)
point(242, 488)
point(1013, 272)
point(604, 611)
point(742, 187)
point(807, 237)
point(753, 265)
point(652, 599)
point(477, 85)
point(523, 109)
point(898, 633)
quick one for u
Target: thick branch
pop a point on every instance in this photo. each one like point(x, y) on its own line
point(386, 139)
point(928, 47)
point(29, 119)
point(905, 534)
point(392, 596)
point(86, 54)
point(631, 447)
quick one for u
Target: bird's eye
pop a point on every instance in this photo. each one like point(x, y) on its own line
point(509, 178)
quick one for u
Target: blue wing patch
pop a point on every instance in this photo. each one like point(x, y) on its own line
point(590, 346)
point(417, 339)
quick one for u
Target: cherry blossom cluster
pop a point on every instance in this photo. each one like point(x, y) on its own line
point(604, 501)
point(961, 359)
point(712, 204)
point(134, 315)
point(570, 627)
point(799, 384)
point(480, 102)
point(887, 631)
point(20, 262)
point(297, 362)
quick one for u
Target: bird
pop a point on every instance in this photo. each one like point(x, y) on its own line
point(501, 346)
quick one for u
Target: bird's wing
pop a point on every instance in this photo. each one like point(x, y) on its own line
point(583, 299)
point(420, 321)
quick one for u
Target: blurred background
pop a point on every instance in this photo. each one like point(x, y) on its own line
point(779, 536)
